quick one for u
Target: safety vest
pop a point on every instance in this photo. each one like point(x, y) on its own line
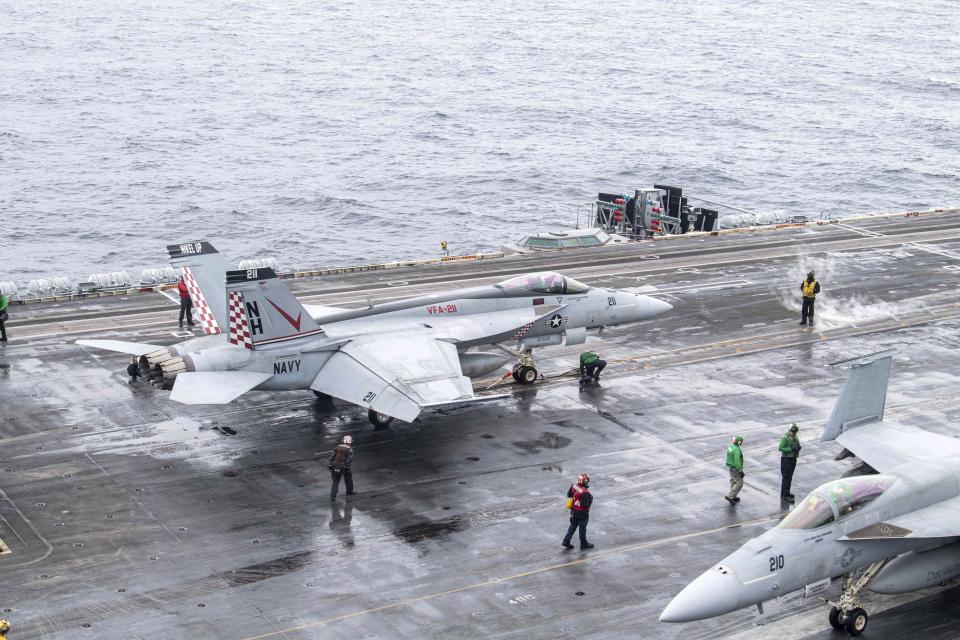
point(578, 493)
point(809, 289)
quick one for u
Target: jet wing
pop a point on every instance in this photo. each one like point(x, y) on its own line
point(941, 520)
point(396, 374)
point(132, 348)
point(215, 387)
point(884, 445)
point(492, 325)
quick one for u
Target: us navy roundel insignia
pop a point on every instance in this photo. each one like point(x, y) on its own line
point(555, 321)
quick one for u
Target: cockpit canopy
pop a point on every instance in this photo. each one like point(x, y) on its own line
point(543, 282)
point(835, 500)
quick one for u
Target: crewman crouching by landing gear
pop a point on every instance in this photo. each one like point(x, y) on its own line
point(590, 367)
point(340, 461)
point(579, 501)
point(133, 371)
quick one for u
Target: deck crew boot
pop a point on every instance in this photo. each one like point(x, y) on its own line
point(586, 545)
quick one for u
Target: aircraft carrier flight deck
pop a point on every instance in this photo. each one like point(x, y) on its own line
point(125, 515)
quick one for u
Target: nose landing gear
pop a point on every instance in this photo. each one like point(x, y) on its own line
point(847, 613)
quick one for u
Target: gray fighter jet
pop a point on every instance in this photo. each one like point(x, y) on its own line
point(891, 532)
point(395, 359)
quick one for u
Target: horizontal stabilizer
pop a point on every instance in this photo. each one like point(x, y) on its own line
point(215, 387)
point(132, 348)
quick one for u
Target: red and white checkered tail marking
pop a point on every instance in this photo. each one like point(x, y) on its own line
point(200, 307)
point(237, 317)
point(523, 331)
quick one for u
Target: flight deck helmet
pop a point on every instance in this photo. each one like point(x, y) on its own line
point(738, 439)
point(347, 439)
point(4, 626)
point(583, 479)
point(810, 275)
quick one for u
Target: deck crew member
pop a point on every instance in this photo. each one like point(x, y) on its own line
point(590, 366)
point(580, 501)
point(789, 451)
point(810, 288)
point(4, 303)
point(340, 461)
point(4, 629)
point(735, 465)
point(186, 304)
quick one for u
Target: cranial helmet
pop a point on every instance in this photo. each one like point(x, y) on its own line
point(583, 479)
point(794, 428)
point(347, 439)
point(738, 438)
point(4, 626)
point(810, 274)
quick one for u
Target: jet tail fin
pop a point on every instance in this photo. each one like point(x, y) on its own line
point(864, 394)
point(261, 311)
point(203, 267)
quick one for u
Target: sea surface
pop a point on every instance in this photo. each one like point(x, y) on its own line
point(325, 133)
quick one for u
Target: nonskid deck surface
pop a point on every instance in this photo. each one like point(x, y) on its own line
point(138, 517)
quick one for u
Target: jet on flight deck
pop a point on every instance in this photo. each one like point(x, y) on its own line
point(891, 532)
point(395, 359)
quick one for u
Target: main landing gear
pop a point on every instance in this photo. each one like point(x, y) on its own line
point(525, 371)
point(847, 613)
point(379, 420)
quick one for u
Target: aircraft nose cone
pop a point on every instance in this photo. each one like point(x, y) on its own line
point(651, 307)
point(714, 593)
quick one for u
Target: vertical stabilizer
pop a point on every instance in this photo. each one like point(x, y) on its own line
point(203, 268)
point(864, 394)
point(263, 312)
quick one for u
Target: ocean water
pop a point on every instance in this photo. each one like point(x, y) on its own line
point(325, 133)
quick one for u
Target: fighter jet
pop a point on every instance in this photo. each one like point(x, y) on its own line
point(891, 532)
point(395, 359)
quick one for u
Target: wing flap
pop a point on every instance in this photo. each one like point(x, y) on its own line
point(215, 387)
point(884, 445)
point(119, 346)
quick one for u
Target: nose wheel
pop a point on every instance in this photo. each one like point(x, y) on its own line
point(847, 614)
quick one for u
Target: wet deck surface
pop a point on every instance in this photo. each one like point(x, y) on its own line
point(129, 516)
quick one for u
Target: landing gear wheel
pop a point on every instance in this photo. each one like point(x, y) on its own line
point(379, 420)
point(526, 374)
point(856, 621)
point(835, 620)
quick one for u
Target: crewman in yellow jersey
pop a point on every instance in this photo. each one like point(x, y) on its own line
point(810, 288)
